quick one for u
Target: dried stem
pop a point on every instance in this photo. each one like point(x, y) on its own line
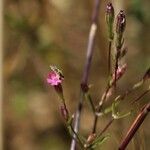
point(135, 126)
point(89, 55)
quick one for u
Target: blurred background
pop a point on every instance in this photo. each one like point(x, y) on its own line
point(39, 33)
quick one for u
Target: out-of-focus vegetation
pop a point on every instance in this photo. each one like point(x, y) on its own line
point(38, 33)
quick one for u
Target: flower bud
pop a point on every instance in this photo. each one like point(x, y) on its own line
point(147, 75)
point(64, 112)
point(110, 19)
point(123, 52)
point(120, 72)
point(120, 27)
point(121, 22)
point(90, 139)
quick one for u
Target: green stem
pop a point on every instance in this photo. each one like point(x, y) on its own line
point(89, 98)
point(109, 58)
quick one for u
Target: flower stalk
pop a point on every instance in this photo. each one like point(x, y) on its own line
point(84, 82)
point(120, 28)
point(135, 126)
point(109, 17)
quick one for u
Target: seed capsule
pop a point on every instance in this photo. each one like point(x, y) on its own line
point(120, 27)
point(110, 19)
point(121, 22)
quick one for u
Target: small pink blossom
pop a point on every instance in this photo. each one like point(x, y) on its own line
point(53, 78)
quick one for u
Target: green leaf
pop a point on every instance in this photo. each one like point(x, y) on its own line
point(99, 141)
point(116, 114)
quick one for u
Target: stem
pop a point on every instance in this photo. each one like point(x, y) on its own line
point(135, 126)
point(107, 126)
point(142, 95)
point(120, 97)
point(88, 96)
point(109, 58)
point(129, 91)
point(77, 137)
point(76, 122)
point(104, 96)
point(116, 67)
point(90, 48)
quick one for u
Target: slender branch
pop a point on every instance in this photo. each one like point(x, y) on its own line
point(77, 121)
point(120, 97)
point(77, 136)
point(99, 108)
point(90, 47)
point(116, 67)
point(129, 91)
point(89, 98)
point(142, 95)
point(107, 126)
point(135, 126)
point(109, 58)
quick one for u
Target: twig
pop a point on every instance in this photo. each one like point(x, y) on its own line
point(121, 98)
point(116, 67)
point(89, 98)
point(118, 98)
point(77, 136)
point(142, 95)
point(107, 126)
point(109, 58)
point(104, 96)
point(129, 91)
point(134, 127)
point(89, 55)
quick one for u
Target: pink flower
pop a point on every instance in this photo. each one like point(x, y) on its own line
point(54, 78)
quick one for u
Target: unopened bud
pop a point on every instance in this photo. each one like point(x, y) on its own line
point(123, 52)
point(64, 112)
point(110, 19)
point(120, 72)
point(120, 27)
point(90, 139)
point(121, 22)
point(147, 75)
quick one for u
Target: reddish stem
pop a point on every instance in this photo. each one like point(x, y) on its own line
point(135, 126)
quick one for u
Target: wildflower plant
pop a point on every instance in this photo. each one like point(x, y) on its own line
point(116, 69)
